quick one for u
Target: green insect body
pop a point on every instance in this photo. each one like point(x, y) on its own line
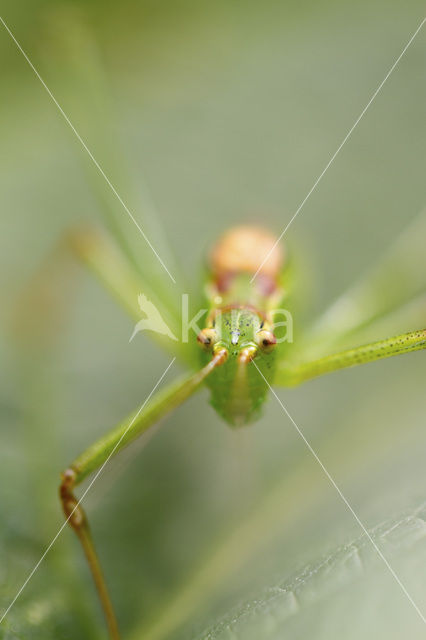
point(239, 325)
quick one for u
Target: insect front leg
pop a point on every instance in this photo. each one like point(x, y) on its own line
point(47, 294)
point(101, 255)
point(98, 455)
point(393, 282)
point(289, 374)
point(76, 518)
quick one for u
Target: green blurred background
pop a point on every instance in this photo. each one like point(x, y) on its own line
point(227, 112)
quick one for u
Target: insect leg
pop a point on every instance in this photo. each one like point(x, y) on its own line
point(47, 294)
point(289, 374)
point(395, 280)
point(101, 255)
point(99, 453)
point(77, 519)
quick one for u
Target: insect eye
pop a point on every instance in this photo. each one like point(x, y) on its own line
point(207, 338)
point(266, 341)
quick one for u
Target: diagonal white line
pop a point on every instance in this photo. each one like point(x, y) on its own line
point(99, 471)
point(86, 148)
point(343, 498)
point(340, 146)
